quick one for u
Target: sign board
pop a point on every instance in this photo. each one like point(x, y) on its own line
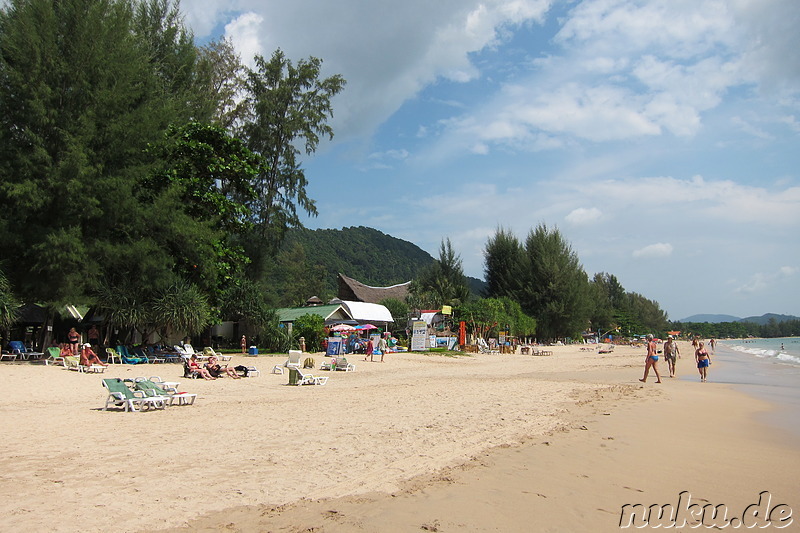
point(419, 334)
point(447, 310)
point(334, 346)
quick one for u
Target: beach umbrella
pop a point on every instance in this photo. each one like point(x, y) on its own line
point(367, 327)
point(342, 327)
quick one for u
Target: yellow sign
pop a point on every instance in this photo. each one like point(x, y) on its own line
point(447, 310)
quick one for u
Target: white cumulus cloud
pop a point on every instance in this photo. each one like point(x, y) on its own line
point(583, 215)
point(654, 250)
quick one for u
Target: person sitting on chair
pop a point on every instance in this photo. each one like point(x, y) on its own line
point(215, 369)
point(194, 366)
point(66, 349)
point(89, 358)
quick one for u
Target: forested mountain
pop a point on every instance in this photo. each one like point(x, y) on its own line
point(765, 319)
point(761, 320)
point(711, 319)
point(366, 254)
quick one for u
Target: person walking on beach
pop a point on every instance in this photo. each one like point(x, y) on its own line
point(713, 344)
point(671, 353)
point(703, 360)
point(651, 360)
point(369, 350)
point(382, 346)
point(244, 344)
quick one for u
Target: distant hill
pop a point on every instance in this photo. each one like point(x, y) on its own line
point(365, 254)
point(761, 320)
point(711, 319)
point(764, 319)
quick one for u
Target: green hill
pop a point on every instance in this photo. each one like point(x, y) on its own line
point(366, 254)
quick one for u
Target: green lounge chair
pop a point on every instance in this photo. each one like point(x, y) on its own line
point(150, 388)
point(54, 356)
point(121, 396)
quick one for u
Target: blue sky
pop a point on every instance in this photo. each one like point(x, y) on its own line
point(659, 136)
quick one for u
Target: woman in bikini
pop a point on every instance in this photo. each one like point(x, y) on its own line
point(651, 360)
point(194, 366)
point(703, 360)
point(74, 338)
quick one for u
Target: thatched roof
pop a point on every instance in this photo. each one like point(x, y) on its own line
point(355, 291)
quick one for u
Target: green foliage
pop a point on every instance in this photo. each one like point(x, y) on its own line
point(86, 85)
point(442, 283)
point(545, 277)
point(399, 310)
point(8, 305)
point(205, 175)
point(293, 279)
point(312, 328)
point(485, 317)
point(309, 262)
point(181, 307)
point(275, 338)
point(178, 307)
point(223, 75)
point(288, 108)
point(555, 290)
point(244, 300)
point(615, 308)
point(505, 264)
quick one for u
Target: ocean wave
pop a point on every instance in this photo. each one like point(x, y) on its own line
point(789, 358)
point(766, 353)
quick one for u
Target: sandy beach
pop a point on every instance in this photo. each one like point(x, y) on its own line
point(421, 442)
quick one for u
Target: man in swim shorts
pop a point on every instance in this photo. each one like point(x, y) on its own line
point(671, 353)
point(651, 360)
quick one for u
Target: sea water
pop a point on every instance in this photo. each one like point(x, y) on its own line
point(782, 350)
point(765, 368)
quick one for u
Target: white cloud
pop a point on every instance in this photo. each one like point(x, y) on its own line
point(654, 251)
point(387, 51)
point(760, 281)
point(244, 32)
point(583, 215)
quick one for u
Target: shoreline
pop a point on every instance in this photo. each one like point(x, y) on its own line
point(476, 443)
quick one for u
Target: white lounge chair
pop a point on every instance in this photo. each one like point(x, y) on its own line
point(305, 379)
point(292, 362)
point(209, 351)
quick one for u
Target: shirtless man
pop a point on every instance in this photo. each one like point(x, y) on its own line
point(671, 353)
point(651, 360)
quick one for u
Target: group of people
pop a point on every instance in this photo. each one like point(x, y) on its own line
point(87, 356)
point(211, 370)
point(672, 354)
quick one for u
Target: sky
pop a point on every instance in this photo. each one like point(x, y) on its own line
point(660, 137)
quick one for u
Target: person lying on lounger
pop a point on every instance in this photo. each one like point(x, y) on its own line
point(216, 370)
point(89, 358)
